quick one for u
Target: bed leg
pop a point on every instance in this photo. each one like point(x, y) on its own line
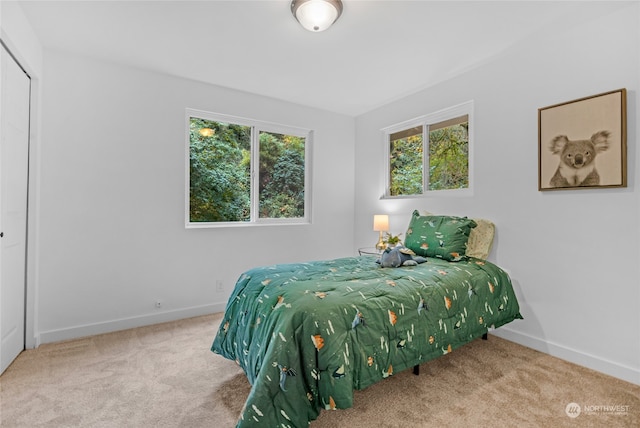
point(416, 370)
point(485, 336)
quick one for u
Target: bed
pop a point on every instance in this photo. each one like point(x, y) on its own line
point(308, 334)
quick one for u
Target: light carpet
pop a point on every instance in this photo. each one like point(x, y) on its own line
point(166, 376)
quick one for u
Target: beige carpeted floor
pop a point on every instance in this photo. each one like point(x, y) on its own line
point(165, 376)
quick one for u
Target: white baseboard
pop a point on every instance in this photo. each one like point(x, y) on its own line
point(593, 362)
point(126, 323)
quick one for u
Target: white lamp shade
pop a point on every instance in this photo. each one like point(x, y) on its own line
point(316, 15)
point(381, 223)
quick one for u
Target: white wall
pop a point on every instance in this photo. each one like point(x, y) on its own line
point(112, 235)
point(18, 35)
point(573, 255)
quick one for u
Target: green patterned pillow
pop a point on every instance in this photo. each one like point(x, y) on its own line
point(440, 236)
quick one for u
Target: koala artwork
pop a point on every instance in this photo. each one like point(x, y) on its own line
point(577, 160)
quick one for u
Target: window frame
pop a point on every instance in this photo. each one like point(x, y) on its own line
point(257, 126)
point(425, 121)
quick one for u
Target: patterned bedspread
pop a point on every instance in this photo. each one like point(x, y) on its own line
point(308, 334)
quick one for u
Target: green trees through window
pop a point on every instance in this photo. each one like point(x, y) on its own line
point(223, 185)
point(406, 160)
point(439, 162)
point(281, 176)
point(449, 156)
point(220, 171)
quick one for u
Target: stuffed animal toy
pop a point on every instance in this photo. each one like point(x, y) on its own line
point(399, 256)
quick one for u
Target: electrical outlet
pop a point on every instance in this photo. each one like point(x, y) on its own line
point(219, 285)
point(158, 304)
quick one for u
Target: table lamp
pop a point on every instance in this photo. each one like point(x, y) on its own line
point(380, 224)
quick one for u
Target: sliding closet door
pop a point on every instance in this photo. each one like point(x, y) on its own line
point(14, 166)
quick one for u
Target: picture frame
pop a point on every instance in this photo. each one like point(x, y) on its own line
point(582, 143)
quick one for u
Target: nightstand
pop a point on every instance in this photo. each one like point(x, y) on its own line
point(371, 251)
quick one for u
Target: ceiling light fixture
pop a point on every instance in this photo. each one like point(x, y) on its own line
point(316, 15)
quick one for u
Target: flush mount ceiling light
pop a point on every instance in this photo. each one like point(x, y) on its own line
point(316, 15)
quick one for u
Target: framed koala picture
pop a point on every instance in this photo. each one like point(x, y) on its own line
point(583, 143)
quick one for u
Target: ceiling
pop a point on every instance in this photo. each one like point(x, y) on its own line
point(378, 51)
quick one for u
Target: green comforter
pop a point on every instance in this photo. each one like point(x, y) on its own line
point(307, 334)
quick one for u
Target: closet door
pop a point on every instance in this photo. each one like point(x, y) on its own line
point(14, 166)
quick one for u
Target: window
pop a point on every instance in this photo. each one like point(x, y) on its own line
point(430, 153)
point(244, 171)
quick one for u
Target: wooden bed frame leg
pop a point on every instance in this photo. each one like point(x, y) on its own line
point(485, 336)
